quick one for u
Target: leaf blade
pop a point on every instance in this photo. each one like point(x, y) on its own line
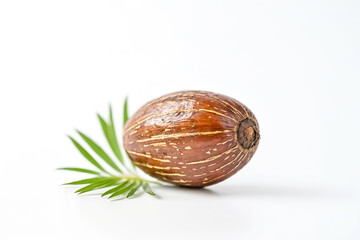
point(96, 185)
point(87, 155)
point(112, 190)
point(146, 187)
point(104, 126)
point(110, 138)
point(133, 190)
point(99, 151)
point(113, 137)
point(83, 170)
point(125, 119)
point(84, 181)
point(122, 191)
point(125, 114)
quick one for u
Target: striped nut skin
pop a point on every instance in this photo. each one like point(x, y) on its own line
point(192, 138)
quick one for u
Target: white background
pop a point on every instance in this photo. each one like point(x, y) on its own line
point(295, 64)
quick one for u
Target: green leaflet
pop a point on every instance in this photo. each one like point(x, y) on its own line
point(83, 170)
point(122, 190)
point(85, 181)
point(126, 182)
point(133, 190)
point(126, 115)
point(146, 187)
point(121, 186)
point(87, 155)
point(96, 185)
point(114, 138)
point(99, 151)
point(109, 132)
point(125, 118)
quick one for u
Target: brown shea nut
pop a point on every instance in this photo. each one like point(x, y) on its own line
point(192, 138)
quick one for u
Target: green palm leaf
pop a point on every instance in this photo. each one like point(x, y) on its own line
point(146, 187)
point(126, 183)
point(83, 170)
point(122, 185)
point(122, 190)
point(99, 151)
point(126, 115)
point(97, 185)
point(133, 190)
point(111, 138)
point(85, 181)
point(87, 155)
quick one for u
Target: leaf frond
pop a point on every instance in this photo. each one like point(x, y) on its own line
point(146, 187)
point(96, 185)
point(126, 114)
point(85, 181)
point(112, 190)
point(125, 119)
point(83, 170)
point(127, 182)
point(87, 155)
point(111, 138)
point(122, 190)
point(99, 151)
point(133, 190)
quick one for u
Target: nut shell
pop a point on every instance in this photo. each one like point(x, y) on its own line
point(192, 138)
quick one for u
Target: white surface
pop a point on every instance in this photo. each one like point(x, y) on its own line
point(294, 64)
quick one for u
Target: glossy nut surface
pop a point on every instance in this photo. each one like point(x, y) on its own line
point(192, 138)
